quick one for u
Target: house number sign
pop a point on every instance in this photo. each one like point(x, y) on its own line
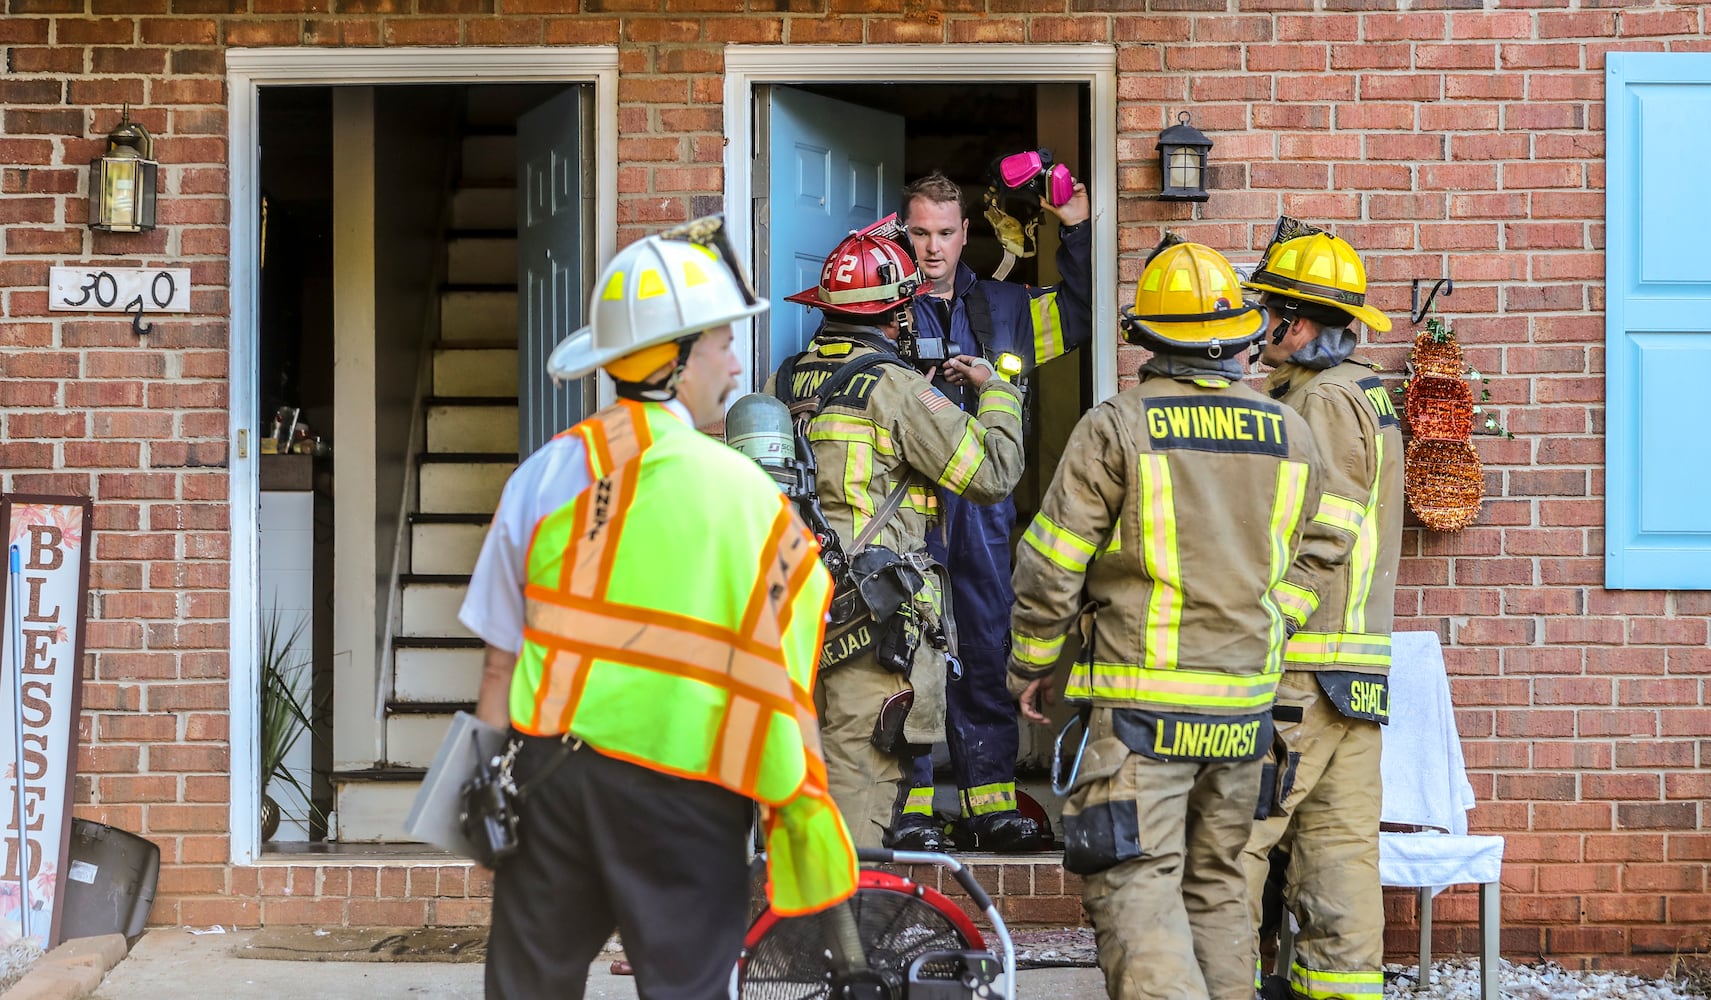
point(134, 290)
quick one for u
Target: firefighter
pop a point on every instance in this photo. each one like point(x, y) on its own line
point(887, 434)
point(1333, 695)
point(1177, 532)
point(652, 612)
point(988, 319)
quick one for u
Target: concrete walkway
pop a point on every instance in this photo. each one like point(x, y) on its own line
point(178, 965)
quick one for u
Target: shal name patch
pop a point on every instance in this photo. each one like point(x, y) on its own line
point(1357, 695)
point(1202, 423)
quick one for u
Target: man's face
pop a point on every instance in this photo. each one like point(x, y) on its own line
point(710, 375)
point(1301, 331)
point(938, 232)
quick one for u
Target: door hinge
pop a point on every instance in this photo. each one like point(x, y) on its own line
point(243, 444)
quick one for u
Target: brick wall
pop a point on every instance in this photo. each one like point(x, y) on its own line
point(1455, 137)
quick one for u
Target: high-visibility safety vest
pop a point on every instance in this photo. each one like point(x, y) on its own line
point(1183, 511)
point(675, 611)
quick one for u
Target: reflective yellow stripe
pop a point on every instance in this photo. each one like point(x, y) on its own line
point(1340, 512)
point(999, 402)
point(922, 500)
point(965, 461)
point(1172, 687)
point(1158, 543)
point(587, 430)
point(919, 802)
point(1035, 652)
point(853, 430)
point(997, 797)
point(1317, 985)
point(1363, 558)
point(1060, 545)
point(858, 469)
point(1116, 542)
point(1286, 507)
point(1298, 603)
point(1353, 648)
point(1048, 328)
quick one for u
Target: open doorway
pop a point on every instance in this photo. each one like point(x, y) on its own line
point(422, 247)
point(899, 112)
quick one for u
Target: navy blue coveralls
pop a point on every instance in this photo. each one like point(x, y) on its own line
point(1036, 325)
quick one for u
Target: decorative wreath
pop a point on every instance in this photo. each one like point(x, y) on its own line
point(1444, 481)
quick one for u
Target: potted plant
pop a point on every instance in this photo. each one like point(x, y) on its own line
point(284, 712)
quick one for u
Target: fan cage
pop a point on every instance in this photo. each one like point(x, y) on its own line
point(785, 958)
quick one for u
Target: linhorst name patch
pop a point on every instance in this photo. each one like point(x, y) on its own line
point(1202, 423)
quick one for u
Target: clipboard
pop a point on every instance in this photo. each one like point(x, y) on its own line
point(434, 816)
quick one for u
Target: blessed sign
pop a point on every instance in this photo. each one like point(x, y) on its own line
point(41, 651)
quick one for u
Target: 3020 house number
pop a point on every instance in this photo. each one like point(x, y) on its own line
point(134, 290)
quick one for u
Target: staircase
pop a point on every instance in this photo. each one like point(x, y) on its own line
point(471, 445)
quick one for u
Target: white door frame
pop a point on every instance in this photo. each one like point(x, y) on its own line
point(247, 71)
point(1095, 65)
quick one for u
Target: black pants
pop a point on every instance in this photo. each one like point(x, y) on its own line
point(604, 845)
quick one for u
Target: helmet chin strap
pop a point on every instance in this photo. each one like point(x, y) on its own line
point(664, 390)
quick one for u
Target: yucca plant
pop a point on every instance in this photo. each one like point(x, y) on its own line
point(284, 709)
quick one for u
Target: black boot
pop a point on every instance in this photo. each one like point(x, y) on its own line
point(1007, 832)
point(914, 832)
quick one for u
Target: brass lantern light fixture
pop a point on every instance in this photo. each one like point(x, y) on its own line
point(122, 180)
point(1182, 161)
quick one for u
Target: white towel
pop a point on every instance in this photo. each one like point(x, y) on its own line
point(1438, 859)
point(1424, 774)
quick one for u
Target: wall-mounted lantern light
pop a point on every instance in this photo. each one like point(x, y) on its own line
point(122, 180)
point(1182, 161)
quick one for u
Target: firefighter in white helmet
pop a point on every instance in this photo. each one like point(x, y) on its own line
point(653, 658)
point(885, 442)
point(1334, 694)
point(1173, 531)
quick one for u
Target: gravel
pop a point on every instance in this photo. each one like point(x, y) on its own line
point(1452, 979)
point(16, 958)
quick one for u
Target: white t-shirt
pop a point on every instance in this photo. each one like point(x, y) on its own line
point(546, 481)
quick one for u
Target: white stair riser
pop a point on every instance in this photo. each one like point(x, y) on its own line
point(484, 317)
point(462, 488)
point(485, 372)
point(472, 428)
point(436, 675)
point(484, 208)
point(430, 609)
point(445, 549)
point(489, 158)
point(374, 811)
point(412, 740)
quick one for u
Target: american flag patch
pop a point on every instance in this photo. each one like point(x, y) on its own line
point(934, 399)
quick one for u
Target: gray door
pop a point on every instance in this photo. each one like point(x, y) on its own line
point(832, 167)
point(550, 264)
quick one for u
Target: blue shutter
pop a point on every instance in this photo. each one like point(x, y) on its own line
point(1658, 321)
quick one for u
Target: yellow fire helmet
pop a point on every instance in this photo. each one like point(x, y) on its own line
point(1319, 268)
point(1189, 301)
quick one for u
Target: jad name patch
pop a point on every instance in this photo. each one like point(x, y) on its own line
point(1381, 402)
point(1200, 423)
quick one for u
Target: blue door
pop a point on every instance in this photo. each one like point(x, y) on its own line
point(1658, 321)
point(833, 167)
point(549, 263)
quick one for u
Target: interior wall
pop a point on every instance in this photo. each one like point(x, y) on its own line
point(414, 159)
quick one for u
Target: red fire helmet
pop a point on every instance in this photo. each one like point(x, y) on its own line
point(865, 275)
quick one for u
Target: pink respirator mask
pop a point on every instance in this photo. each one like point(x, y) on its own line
point(1034, 171)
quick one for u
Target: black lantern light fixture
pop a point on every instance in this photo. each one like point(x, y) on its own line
point(1182, 161)
point(122, 180)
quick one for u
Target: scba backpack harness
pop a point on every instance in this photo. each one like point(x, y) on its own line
point(874, 588)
